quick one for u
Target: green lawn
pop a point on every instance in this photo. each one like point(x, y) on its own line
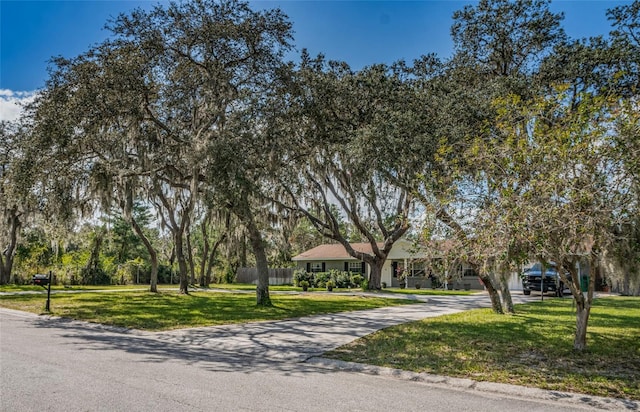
point(531, 348)
point(170, 310)
point(229, 287)
point(245, 286)
point(30, 288)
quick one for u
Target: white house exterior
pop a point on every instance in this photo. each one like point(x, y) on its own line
point(404, 257)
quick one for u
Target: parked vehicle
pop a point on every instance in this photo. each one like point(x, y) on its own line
point(533, 280)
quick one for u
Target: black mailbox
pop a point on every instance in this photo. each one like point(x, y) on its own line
point(40, 279)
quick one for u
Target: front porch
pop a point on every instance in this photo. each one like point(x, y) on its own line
point(415, 272)
point(425, 282)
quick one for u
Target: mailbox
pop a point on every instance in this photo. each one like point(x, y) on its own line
point(40, 279)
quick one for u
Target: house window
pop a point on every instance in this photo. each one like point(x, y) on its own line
point(316, 267)
point(355, 267)
point(418, 269)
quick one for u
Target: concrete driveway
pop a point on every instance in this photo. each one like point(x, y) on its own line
point(300, 339)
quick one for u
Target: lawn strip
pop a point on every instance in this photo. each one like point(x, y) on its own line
point(170, 310)
point(532, 348)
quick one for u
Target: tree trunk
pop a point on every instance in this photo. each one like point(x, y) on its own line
point(179, 230)
point(212, 257)
point(583, 309)
point(243, 252)
point(507, 302)
point(94, 260)
point(204, 260)
point(244, 213)
point(153, 255)
point(6, 266)
point(255, 237)
point(182, 263)
point(207, 275)
point(583, 306)
point(7, 255)
point(375, 275)
point(496, 305)
point(192, 266)
point(626, 284)
point(443, 216)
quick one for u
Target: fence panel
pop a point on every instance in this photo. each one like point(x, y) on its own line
point(277, 276)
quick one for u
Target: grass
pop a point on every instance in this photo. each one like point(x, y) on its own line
point(170, 310)
point(532, 348)
point(35, 288)
point(246, 286)
point(225, 286)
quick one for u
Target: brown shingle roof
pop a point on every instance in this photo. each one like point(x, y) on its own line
point(333, 252)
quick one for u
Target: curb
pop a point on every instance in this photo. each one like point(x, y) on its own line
point(464, 384)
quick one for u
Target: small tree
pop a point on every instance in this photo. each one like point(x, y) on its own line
point(566, 187)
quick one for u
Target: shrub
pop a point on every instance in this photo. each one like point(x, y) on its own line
point(304, 284)
point(300, 275)
point(435, 282)
point(356, 280)
point(94, 276)
point(341, 279)
point(384, 285)
point(321, 279)
point(365, 285)
point(417, 286)
point(330, 285)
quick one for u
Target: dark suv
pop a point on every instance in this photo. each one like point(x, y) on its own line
point(532, 280)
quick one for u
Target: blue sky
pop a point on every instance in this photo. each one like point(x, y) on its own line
point(358, 32)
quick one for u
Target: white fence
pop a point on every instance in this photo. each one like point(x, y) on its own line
point(280, 276)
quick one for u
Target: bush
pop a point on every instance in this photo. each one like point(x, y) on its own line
point(435, 282)
point(321, 279)
point(365, 285)
point(330, 285)
point(300, 275)
point(304, 284)
point(341, 279)
point(356, 280)
point(384, 285)
point(417, 286)
point(94, 276)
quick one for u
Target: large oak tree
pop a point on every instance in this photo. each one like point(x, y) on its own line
point(171, 107)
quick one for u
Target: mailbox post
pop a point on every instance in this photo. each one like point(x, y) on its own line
point(48, 305)
point(45, 281)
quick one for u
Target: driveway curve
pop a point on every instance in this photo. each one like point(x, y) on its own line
point(303, 338)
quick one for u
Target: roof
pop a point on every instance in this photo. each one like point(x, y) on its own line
point(334, 251)
point(402, 249)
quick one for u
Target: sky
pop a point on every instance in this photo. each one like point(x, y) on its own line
point(360, 32)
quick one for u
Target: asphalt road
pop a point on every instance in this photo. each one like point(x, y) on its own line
point(50, 364)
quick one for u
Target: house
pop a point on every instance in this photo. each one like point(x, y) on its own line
point(404, 258)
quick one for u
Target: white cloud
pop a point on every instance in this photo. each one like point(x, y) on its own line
point(11, 103)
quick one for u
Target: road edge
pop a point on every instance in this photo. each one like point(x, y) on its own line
point(465, 384)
